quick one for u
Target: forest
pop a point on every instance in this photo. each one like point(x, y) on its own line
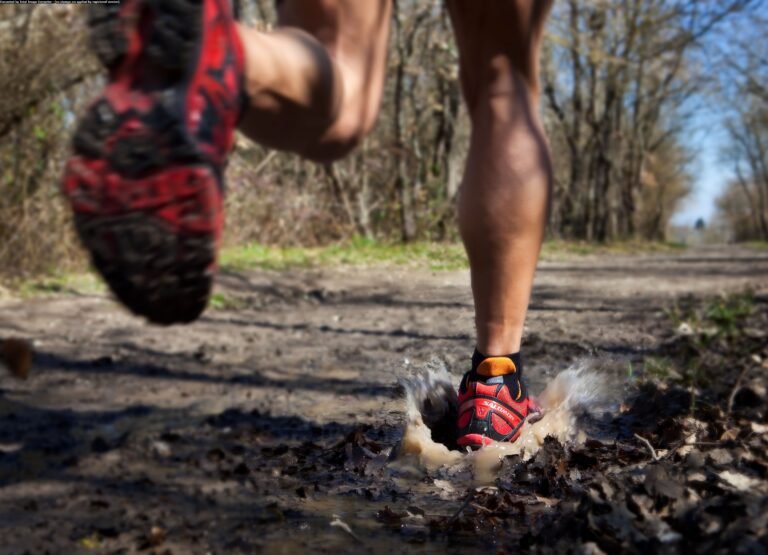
point(628, 87)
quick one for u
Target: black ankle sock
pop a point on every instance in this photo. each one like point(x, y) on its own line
point(478, 357)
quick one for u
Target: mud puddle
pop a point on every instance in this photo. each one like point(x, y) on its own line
point(409, 472)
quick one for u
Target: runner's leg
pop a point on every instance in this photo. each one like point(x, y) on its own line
point(145, 178)
point(315, 82)
point(505, 193)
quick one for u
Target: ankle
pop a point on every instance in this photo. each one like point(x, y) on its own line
point(497, 337)
point(516, 358)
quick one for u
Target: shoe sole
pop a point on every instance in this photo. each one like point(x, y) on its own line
point(146, 203)
point(476, 441)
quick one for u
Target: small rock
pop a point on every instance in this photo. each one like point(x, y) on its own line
point(156, 536)
point(161, 449)
point(712, 526)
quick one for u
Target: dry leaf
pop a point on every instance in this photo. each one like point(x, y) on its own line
point(16, 355)
point(737, 480)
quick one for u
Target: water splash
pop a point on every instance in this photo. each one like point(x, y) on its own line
point(431, 415)
point(431, 404)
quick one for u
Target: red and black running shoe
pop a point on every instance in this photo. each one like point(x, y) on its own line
point(493, 403)
point(145, 178)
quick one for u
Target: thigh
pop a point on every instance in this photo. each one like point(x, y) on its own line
point(499, 42)
point(355, 34)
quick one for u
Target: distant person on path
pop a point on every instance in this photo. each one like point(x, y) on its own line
point(145, 180)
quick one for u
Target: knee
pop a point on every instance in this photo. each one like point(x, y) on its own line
point(503, 96)
point(340, 139)
point(499, 49)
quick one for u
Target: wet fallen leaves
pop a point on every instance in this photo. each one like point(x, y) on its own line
point(705, 495)
point(682, 469)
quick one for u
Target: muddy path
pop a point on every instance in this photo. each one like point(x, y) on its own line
point(269, 425)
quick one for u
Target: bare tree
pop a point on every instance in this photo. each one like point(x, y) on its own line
point(616, 75)
point(743, 71)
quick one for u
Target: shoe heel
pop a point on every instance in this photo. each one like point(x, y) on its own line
point(174, 37)
point(108, 36)
point(173, 34)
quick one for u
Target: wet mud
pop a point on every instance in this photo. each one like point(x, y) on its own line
point(310, 416)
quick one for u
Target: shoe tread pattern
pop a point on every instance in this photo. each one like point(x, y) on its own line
point(155, 271)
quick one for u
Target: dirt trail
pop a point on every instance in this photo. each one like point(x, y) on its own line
point(244, 431)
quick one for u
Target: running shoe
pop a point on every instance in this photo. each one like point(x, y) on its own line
point(493, 403)
point(145, 180)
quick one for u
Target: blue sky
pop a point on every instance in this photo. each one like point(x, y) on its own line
point(706, 136)
point(709, 172)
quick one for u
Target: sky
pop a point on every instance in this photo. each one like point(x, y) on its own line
point(705, 134)
point(709, 172)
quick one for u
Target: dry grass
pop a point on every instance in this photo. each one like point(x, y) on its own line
point(46, 76)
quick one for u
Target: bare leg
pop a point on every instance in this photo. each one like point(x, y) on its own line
point(505, 194)
point(315, 82)
point(315, 86)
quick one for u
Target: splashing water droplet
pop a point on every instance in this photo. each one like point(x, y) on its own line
point(430, 429)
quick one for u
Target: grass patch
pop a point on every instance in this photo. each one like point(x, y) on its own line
point(91, 542)
point(722, 332)
point(223, 301)
point(86, 283)
point(760, 245)
point(556, 249)
point(356, 252)
point(721, 318)
point(360, 251)
point(661, 369)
